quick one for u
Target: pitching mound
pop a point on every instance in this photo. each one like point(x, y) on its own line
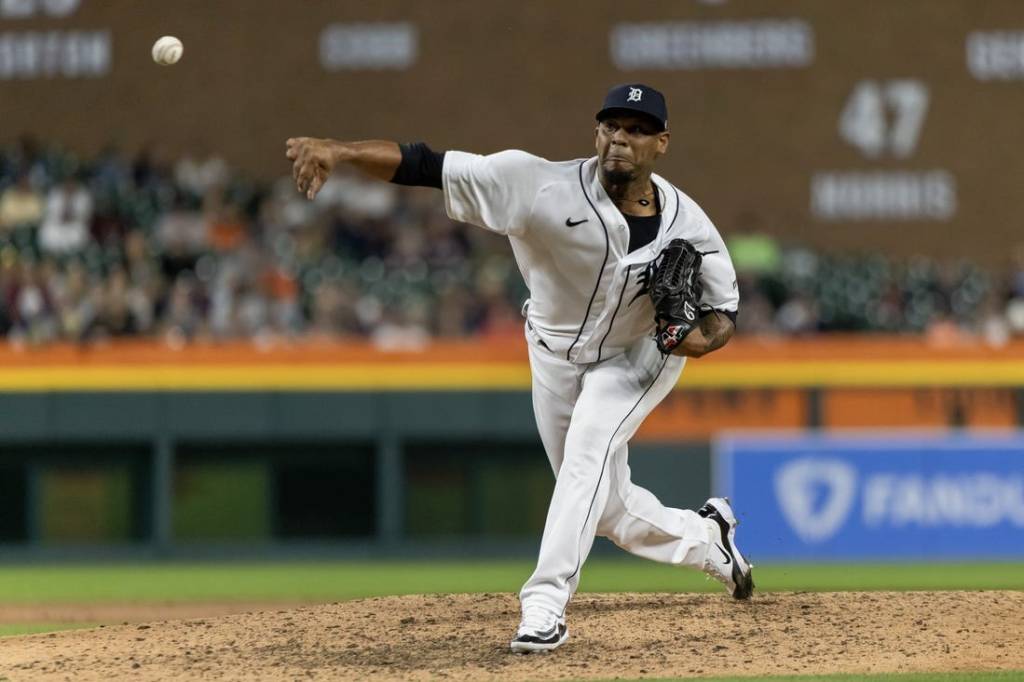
point(465, 637)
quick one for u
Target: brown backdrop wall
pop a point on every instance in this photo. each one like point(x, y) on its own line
point(746, 141)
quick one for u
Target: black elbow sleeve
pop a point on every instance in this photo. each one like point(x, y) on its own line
point(731, 314)
point(421, 166)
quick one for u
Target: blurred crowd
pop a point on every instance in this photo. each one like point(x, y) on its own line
point(186, 249)
point(794, 290)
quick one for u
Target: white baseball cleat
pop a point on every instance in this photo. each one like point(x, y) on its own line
point(540, 630)
point(724, 562)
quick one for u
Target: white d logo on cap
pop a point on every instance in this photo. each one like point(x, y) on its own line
point(634, 95)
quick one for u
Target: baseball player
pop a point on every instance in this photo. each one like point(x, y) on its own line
point(627, 277)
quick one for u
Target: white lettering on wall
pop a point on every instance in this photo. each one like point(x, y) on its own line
point(817, 498)
point(771, 43)
point(885, 117)
point(369, 46)
point(54, 54)
point(996, 55)
point(883, 195)
point(972, 500)
point(24, 9)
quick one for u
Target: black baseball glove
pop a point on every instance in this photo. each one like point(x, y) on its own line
point(676, 292)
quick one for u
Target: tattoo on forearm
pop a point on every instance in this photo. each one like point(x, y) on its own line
point(717, 330)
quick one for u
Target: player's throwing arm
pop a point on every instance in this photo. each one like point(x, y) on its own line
point(313, 159)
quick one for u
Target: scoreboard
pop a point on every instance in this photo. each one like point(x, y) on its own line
point(881, 125)
point(868, 126)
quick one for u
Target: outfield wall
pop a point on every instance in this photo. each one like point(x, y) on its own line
point(359, 471)
point(877, 496)
point(345, 449)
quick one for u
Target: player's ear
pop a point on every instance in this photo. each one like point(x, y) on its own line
point(663, 138)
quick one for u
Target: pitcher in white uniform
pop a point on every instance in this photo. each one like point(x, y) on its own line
point(586, 235)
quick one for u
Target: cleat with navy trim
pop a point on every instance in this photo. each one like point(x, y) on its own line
point(540, 630)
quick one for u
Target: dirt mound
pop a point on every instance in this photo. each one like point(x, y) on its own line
point(465, 637)
point(138, 612)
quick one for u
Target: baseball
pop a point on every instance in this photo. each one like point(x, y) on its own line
point(167, 50)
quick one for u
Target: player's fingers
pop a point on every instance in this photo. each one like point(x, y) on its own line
point(306, 175)
point(300, 162)
point(314, 187)
point(298, 172)
point(320, 176)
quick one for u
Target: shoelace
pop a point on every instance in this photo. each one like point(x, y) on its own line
point(537, 619)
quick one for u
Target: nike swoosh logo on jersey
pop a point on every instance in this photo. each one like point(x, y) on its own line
point(728, 559)
point(570, 223)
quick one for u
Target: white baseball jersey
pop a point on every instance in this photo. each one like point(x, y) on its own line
point(587, 294)
point(596, 370)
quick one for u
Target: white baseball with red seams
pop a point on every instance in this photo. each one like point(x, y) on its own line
point(597, 372)
point(167, 50)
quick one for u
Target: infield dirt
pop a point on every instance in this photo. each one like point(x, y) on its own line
point(465, 637)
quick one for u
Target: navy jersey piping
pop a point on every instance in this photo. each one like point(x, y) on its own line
point(677, 211)
point(600, 273)
point(618, 305)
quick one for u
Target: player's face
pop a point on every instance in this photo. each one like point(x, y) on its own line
point(628, 146)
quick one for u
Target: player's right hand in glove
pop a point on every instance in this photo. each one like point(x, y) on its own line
point(676, 291)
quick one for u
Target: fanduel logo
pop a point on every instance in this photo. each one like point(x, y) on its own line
point(816, 496)
point(970, 500)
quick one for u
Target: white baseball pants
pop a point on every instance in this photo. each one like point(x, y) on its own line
point(586, 415)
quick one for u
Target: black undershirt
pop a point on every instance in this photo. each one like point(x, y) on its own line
point(642, 229)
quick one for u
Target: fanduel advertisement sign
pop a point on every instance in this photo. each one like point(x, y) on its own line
point(822, 497)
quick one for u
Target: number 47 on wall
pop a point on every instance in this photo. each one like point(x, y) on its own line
point(884, 117)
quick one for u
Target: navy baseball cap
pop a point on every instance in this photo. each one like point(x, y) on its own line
point(635, 98)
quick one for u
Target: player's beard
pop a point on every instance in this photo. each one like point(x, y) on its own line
point(618, 177)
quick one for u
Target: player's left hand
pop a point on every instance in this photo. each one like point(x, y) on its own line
point(676, 291)
point(312, 160)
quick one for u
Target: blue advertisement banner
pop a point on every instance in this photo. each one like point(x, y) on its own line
point(875, 497)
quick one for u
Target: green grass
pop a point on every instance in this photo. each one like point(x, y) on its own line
point(332, 581)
